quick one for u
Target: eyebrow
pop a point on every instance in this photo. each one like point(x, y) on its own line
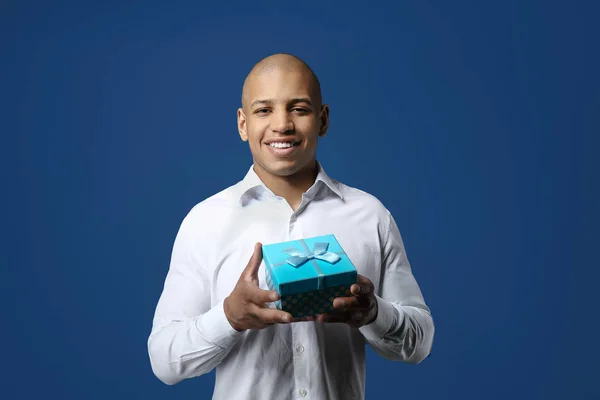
point(292, 101)
point(257, 102)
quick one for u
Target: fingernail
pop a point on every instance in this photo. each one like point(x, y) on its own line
point(274, 296)
point(286, 318)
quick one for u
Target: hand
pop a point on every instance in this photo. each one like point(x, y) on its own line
point(358, 310)
point(245, 306)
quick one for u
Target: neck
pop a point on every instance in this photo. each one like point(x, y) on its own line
point(290, 187)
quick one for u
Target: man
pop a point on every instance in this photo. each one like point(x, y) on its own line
point(216, 310)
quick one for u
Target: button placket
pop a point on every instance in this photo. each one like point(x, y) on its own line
point(291, 223)
point(301, 363)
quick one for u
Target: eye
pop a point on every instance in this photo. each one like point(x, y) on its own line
point(262, 111)
point(300, 110)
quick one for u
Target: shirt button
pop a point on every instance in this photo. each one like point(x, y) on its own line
point(300, 349)
point(303, 392)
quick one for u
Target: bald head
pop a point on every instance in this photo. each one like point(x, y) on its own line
point(285, 62)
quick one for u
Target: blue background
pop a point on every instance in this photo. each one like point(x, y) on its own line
point(475, 123)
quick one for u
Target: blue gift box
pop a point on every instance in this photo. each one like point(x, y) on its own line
point(308, 274)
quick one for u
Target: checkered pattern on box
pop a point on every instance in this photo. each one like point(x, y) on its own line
point(312, 303)
point(309, 303)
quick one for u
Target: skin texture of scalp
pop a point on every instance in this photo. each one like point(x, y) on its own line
point(286, 62)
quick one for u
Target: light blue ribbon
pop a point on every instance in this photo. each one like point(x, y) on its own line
point(298, 258)
point(319, 252)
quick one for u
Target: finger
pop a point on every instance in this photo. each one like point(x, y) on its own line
point(311, 318)
point(350, 318)
point(273, 316)
point(333, 318)
point(363, 286)
point(250, 273)
point(260, 297)
point(347, 302)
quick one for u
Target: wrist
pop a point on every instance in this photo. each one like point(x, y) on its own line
point(384, 320)
point(230, 319)
point(373, 314)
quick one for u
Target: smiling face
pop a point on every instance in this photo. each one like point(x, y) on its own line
point(282, 119)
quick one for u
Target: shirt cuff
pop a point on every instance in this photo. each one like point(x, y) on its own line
point(387, 315)
point(216, 329)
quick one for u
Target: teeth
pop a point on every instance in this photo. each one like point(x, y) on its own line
point(281, 145)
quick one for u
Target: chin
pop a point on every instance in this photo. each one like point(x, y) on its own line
point(282, 169)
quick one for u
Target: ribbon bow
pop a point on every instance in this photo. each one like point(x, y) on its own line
point(319, 252)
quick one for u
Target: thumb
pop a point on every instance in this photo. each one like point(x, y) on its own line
point(250, 273)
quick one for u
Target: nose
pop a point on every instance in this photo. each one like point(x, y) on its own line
point(282, 122)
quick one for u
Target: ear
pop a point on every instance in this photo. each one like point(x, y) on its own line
point(241, 122)
point(324, 117)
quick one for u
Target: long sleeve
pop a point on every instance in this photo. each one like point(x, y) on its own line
point(404, 328)
point(189, 338)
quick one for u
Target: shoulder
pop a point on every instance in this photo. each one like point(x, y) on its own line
point(363, 207)
point(214, 209)
point(358, 197)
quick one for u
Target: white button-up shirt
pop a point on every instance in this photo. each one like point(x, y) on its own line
point(191, 334)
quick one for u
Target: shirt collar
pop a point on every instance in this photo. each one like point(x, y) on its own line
point(252, 183)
